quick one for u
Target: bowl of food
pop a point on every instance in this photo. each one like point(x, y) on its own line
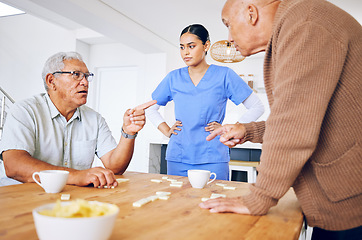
point(76, 220)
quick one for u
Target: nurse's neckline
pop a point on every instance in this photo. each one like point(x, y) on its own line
point(196, 81)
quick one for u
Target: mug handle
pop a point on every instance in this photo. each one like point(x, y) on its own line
point(34, 174)
point(212, 179)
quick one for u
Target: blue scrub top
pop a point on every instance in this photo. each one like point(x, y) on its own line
point(195, 107)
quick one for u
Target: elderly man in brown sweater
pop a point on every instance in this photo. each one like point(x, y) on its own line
point(312, 140)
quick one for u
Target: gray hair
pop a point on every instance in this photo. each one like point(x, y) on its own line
point(56, 63)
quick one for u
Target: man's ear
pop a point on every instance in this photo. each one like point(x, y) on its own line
point(49, 79)
point(253, 14)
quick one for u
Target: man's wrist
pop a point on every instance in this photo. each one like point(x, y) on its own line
point(127, 135)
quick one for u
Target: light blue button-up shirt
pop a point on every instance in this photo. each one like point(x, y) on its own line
point(36, 126)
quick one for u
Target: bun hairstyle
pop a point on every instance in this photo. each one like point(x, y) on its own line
point(199, 31)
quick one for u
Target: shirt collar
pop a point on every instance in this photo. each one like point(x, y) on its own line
point(54, 111)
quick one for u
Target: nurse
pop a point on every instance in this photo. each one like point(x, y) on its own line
point(200, 92)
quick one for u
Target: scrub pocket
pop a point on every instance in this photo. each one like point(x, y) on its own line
point(82, 154)
point(174, 148)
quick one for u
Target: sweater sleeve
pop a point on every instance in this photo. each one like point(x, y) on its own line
point(307, 65)
point(254, 132)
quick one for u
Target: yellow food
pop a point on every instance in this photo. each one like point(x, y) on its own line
point(78, 209)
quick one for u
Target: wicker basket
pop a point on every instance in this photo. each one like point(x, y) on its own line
point(224, 51)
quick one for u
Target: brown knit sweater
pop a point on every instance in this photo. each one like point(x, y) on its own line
point(312, 139)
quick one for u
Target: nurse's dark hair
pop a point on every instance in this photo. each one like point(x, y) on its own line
point(198, 30)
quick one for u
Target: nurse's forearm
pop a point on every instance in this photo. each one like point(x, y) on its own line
point(165, 129)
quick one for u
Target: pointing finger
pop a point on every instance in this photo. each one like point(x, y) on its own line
point(146, 105)
point(214, 134)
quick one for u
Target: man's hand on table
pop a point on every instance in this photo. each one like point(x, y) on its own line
point(97, 176)
point(220, 205)
point(134, 119)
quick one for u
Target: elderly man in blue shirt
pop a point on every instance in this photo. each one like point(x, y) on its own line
point(55, 130)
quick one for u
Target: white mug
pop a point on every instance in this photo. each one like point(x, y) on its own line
point(52, 181)
point(200, 178)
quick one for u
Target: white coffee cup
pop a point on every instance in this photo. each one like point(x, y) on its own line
point(200, 178)
point(52, 181)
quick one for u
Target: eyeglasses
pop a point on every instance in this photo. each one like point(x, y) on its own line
point(77, 75)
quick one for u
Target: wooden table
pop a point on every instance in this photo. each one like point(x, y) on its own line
point(179, 217)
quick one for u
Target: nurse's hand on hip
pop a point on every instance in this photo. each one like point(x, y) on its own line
point(212, 126)
point(167, 131)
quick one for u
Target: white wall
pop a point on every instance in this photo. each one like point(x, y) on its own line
point(152, 68)
point(250, 65)
point(25, 44)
